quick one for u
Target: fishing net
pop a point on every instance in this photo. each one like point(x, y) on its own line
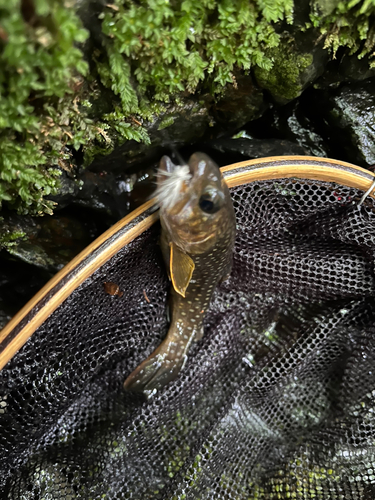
point(275, 402)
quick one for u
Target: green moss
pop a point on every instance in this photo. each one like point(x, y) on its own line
point(152, 52)
point(39, 66)
point(42, 122)
point(9, 238)
point(172, 48)
point(348, 24)
point(166, 122)
point(283, 80)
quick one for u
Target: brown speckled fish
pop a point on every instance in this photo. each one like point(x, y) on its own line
point(198, 230)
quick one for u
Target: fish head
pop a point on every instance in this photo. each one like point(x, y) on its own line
point(195, 203)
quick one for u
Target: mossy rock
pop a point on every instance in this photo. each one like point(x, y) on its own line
point(71, 95)
point(297, 62)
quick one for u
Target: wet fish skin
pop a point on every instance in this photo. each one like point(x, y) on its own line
point(207, 239)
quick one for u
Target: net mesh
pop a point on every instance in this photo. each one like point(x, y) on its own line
point(275, 402)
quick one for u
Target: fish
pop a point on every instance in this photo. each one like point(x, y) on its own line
point(198, 228)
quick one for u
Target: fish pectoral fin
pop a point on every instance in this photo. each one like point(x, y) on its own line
point(181, 269)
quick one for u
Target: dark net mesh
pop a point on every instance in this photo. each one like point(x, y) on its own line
point(275, 402)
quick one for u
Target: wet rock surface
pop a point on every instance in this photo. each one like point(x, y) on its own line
point(350, 113)
point(295, 123)
point(241, 103)
point(179, 124)
point(49, 243)
point(19, 282)
point(345, 69)
point(248, 147)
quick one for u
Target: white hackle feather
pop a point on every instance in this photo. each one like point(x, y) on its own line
point(169, 190)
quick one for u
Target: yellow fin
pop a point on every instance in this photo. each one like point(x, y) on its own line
point(181, 267)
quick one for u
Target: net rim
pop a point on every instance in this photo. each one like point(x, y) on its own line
point(20, 328)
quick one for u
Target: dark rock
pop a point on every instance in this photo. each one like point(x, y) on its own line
point(301, 13)
point(19, 282)
point(355, 69)
point(240, 104)
point(248, 147)
point(179, 124)
point(69, 188)
point(185, 122)
point(350, 114)
point(89, 12)
point(100, 192)
point(49, 242)
point(5, 316)
point(143, 188)
point(116, 195)
point(344, 69)
point(294, 123)
point(107, 193)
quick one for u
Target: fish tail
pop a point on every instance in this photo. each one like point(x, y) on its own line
point(160, 368)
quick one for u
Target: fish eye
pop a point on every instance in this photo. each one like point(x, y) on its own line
point(211, 201)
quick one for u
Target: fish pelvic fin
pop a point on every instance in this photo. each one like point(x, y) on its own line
point(181, 269)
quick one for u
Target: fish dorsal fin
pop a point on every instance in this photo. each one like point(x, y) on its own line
point(181, 269)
